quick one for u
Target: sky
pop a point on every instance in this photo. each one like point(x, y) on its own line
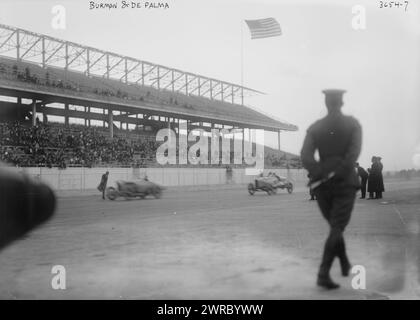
point(379, 66)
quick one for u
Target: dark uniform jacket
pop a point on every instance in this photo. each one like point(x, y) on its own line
point(362, 173)
point(338, 139)
point(104, 181)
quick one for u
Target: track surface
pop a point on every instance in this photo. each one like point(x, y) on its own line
point(214, 244)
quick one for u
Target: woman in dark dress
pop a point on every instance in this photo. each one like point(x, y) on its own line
point(373, 179)
point(381, 187)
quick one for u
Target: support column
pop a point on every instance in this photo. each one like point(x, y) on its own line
point(66, 114)
point(88, 115)
point(19, 108)
point(85, 117)
point(103, 122)
point(111, 123)
point(169, 127)
point(33, 112)
point(44, 115)
point(278, 140)
point(243, 145)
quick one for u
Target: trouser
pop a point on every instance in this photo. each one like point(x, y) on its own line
point(363, 187)
point(336, 204)
point(312, 194)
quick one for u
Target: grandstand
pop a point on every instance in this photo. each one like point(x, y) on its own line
point(107, 103)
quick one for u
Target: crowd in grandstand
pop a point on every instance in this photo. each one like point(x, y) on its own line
point(45, 145)
point(53, 145)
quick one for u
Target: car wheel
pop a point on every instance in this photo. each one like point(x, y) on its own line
point(157, 193)
point(111, 193)
point(251, 189)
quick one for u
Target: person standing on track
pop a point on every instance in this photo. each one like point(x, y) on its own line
point(229, 174)
point(381, 187)
point(103, 183)
point(362, 173)
point(338, 139)
point(375, 180)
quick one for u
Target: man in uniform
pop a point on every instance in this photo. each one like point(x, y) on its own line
point(337, 138)
point(102, 185)
point(362, 173)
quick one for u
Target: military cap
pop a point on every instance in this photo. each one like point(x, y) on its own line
point(334, 92)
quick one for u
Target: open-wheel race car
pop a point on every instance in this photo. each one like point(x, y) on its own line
point(270, 184)
point(131, 190)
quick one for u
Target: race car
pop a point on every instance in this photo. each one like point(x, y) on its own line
point(131, 190)
point(270, 184)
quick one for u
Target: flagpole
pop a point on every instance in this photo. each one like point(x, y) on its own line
point(242, 63)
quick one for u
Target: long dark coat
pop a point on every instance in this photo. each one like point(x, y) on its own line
point(381, 178)
point(375, 180)
point(104, 181)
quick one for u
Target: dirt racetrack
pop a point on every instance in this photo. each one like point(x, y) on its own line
point(214, 244)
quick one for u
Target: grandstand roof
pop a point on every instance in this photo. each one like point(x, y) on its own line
point(144, 87)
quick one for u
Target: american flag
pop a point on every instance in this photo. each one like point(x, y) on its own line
point(264, 28)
